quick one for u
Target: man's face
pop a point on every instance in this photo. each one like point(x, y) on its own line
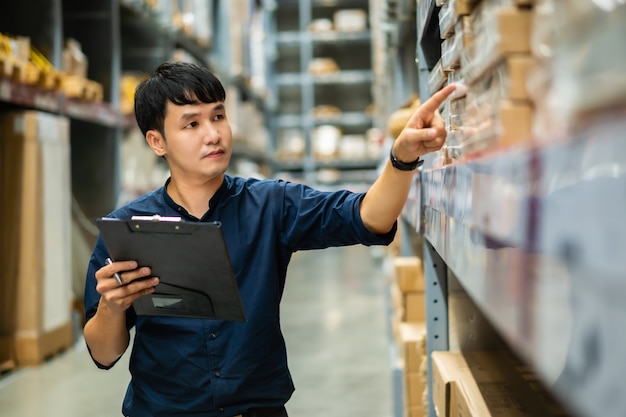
point(198, 140)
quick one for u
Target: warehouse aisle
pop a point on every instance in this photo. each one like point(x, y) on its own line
point(334, 317)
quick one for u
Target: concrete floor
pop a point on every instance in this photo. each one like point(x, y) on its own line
point(335, 320)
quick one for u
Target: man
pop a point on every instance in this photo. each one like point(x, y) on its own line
point(196, 367)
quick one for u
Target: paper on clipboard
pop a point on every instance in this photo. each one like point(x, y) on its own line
point(190, 259)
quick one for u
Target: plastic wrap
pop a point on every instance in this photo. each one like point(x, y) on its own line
point(455, 144)
point(451, 51)
point(598, 81)
point(447, 19)
point(497, 32)
point(581, 68)
point(437, 78)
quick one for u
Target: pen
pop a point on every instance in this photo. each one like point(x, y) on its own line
point(117, 276)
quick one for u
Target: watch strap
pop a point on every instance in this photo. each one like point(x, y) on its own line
point(404, 166)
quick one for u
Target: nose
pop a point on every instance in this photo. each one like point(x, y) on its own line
point(211, 134)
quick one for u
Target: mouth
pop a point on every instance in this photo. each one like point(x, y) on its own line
point(214, 154)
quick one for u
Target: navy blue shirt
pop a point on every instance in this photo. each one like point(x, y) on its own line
point(197, 367)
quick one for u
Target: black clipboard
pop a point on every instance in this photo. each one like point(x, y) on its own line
point(190, 259)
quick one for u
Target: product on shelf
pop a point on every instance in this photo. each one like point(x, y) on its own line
point(74, 60)
point(325, 111)
point(75, 86)
point(291, 144)
point(321, 25)
point(352, 147)
point(477, 383)
point(325, 141)
point(323, 66)
point(412, 344)
point(581, 64)
point(451, 12)
point(74, 81)
point(350, 20)
point(399, 118)
point(437, 78)
point(128, 83)
point(497, 32)
point(15, 63)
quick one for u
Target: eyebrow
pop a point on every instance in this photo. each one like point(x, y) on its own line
point(191, 115)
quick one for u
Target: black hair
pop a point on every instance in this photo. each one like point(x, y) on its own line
point(179, 82)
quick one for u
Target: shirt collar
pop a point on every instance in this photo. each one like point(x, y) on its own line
point(217, 197)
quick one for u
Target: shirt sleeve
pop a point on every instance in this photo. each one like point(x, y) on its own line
point(313, 219)
point(92, 297)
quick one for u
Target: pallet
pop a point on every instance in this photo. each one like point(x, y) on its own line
point(7, 356)
point(32, 349)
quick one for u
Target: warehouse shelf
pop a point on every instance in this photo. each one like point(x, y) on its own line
point(342, 164)
point(341, 37)
point(532, 234)
point(294, 38)
point(345, 77)
point(54, 101)
point(299, 91)
point(536, 237)
point(341, 77)
point(345, 119)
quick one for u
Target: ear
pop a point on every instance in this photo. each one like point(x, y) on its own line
point(156, 142)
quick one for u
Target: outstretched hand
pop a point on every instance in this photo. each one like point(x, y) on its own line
point(425, 131)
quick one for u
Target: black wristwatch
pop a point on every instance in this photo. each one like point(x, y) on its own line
point(404, 166)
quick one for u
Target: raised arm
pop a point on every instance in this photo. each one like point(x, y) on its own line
point(424, 132)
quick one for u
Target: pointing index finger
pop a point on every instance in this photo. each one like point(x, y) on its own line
point(434, 102)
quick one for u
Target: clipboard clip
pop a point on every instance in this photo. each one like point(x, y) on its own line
point(157, 218)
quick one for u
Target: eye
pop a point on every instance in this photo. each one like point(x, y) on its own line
point(219, 117)
point(191, 125)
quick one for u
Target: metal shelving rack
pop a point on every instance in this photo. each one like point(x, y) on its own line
point(523, 251)
point(116, 36)
point(296, 91)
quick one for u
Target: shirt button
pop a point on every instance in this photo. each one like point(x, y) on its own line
point(218, 374)
point(221, 409)
point(213, 336)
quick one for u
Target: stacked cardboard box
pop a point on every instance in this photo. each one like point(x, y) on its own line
point(488, 384)
point(486, 48)
point(412, 344)
point(409, 328)
point(37, 235)
point(408, 291)
point(10, 184)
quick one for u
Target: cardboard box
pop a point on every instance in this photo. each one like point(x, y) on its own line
point(413, 345)
point(511, 123)
point(416, 385)
point(417, 411)
point(447, 367)
point(42, 233)
point(414, 307)
point(10, 185)
point(503, 32)
point(409, 273)
point(486, 384)
point(508, 80)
